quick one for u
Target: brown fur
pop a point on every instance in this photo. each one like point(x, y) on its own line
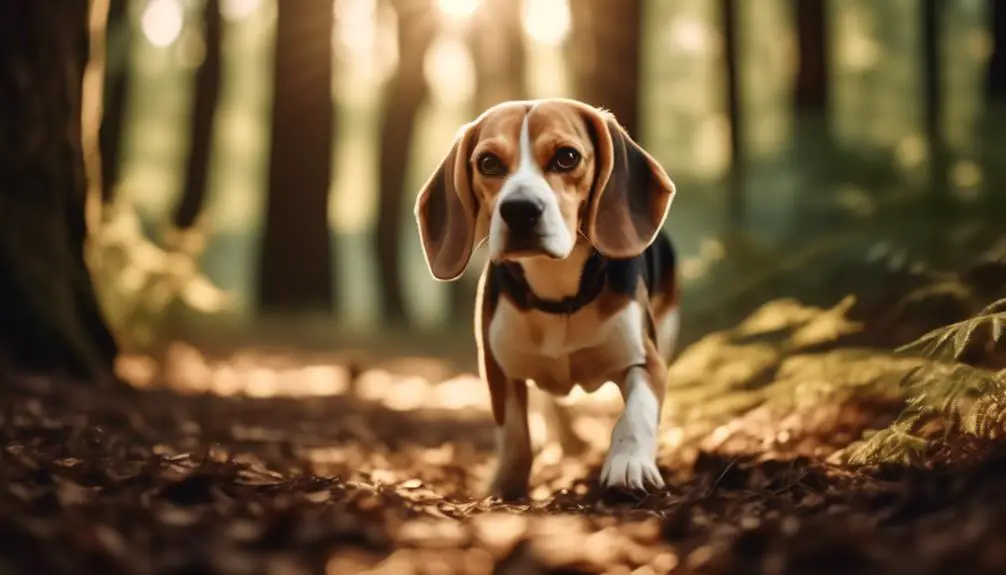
point(614, 200)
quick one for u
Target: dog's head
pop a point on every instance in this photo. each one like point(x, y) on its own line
point(531, 176)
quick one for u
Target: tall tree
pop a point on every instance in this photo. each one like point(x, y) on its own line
point(997, 65)
point(496, 41)
point(403, 97)
point(207, 84)
point(295, 274)
point(50, 316)
point(120, 44)
point(605, 54)
point(811, 89)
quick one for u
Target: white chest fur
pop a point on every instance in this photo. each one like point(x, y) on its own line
point(560, 351)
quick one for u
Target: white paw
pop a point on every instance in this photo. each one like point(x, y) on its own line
point(630, 470)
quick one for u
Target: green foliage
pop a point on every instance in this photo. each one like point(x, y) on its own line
point(965, 399)
point(949, 342)
point(786, 369)
point(796, 371)
point(894, 444)
point(137, 281)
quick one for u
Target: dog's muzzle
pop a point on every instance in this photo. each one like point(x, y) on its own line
point(522, 217)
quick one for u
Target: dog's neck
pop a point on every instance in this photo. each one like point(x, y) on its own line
point(553, 279)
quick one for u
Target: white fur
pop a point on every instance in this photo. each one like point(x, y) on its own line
point(542, 347)
point(528, 180)
point(631, 460)
point(548, 348)
point(617, 343)
point(558, 415)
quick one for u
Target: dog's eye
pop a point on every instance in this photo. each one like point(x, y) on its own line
point(489, 164)
point(565, 160)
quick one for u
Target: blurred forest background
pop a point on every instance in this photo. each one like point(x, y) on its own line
point(261, 158)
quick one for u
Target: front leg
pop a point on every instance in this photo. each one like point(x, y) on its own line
point(631, 461)
point(513, 446)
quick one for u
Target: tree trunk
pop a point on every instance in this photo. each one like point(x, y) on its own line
point(605, 54)
point(207, 83)
point(811, 89)
point(933, 16)
point(120, 43)
point(404, 96)
point(296, 247)
point(496, 42)
point(732, 87)
point(49, 316)
point(997, 64)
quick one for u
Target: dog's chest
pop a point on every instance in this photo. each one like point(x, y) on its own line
point(559, 351)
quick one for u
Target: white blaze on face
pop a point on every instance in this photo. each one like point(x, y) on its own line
point(528, 181)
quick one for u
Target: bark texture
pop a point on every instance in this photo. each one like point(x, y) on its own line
point(296, 252)
point(49, 316)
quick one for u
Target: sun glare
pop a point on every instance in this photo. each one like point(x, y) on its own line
point(449, 71)
point(547, 21)
point(238, 9)
point(162, 22)
point(457, 9)
point(356, 27)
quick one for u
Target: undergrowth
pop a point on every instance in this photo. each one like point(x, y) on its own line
point(792, 370)
point(960, 388)
point(138, 279)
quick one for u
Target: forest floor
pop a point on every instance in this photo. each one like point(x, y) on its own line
point(265, 462)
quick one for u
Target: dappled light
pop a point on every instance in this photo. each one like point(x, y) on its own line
point(239, 9)
point(459, 9)
point(162, 22)
point(547, 21)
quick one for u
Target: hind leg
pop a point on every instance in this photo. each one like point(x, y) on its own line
point(559, 423)
point(668, 329)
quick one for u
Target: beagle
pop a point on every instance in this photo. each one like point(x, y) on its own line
point(580, 287)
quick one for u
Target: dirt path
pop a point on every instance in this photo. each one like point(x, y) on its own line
point(158, 482)
point(297, 464)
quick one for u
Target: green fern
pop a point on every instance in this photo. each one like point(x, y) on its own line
point(894, 444)
point(947, 343)
point(971, 400)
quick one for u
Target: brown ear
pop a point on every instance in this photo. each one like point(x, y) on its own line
point(446, 210)
point(631, 194)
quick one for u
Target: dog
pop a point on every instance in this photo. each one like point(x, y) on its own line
point(581, 285)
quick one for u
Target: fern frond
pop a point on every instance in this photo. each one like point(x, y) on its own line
point(895, 444)
point(986, 418)
point(997, 308)
point(949, 342)
point(969, 397)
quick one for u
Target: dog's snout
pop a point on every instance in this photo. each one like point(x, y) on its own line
point(521, 213)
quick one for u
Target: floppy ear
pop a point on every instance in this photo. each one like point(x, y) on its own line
point(631, 194)
point(446, 210)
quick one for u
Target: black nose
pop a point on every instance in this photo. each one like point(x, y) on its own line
point(521, 214)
